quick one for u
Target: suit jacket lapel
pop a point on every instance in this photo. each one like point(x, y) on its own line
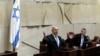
point(53, 40)
point(59, 41)
point(80, 38)
point(84, 38)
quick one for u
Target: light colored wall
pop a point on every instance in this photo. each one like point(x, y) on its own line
point(35, 13)
point(4, 24)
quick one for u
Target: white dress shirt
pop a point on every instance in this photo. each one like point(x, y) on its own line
point(82, 40)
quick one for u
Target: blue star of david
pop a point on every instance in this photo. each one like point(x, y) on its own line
point(14, 14)
point(14, 1)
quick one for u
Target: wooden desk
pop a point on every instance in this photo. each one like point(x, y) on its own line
point(8, 53)
point(40, 54)
point(43, 47)
point(61, 53)
point(89, 51)
point(70, 53)
point(66, 53)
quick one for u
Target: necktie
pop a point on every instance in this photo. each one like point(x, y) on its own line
point(82, 41)
point(57, 41)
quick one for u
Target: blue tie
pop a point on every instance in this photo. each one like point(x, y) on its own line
point(57, 41)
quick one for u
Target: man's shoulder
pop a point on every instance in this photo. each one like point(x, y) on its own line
point(59, 36)
point(77, 34)
point(49, 35)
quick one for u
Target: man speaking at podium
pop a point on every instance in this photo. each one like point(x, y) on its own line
point(53, 41)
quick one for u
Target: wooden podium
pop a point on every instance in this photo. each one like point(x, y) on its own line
point(66, 53)
point(89, 51)
point(92, 50)
point(63, 52)
point(8, 53)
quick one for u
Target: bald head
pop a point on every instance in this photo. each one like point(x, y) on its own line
point(55, 30)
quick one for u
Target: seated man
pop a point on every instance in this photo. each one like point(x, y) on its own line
point(80, 40)
point(53, 42)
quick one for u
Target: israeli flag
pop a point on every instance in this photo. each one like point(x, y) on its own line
point(15, 24)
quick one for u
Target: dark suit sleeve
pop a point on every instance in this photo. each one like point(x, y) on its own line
point(75, 40)
point(62, 42)
point(44, 41)
point(86, 39)
point(66, 41)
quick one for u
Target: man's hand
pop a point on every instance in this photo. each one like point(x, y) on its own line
point(44, 34)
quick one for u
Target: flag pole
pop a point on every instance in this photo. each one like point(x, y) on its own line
point(14, 49)
point(15, 25)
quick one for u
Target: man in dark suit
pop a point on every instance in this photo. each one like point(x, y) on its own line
point(53, 41)
point(81, 39)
